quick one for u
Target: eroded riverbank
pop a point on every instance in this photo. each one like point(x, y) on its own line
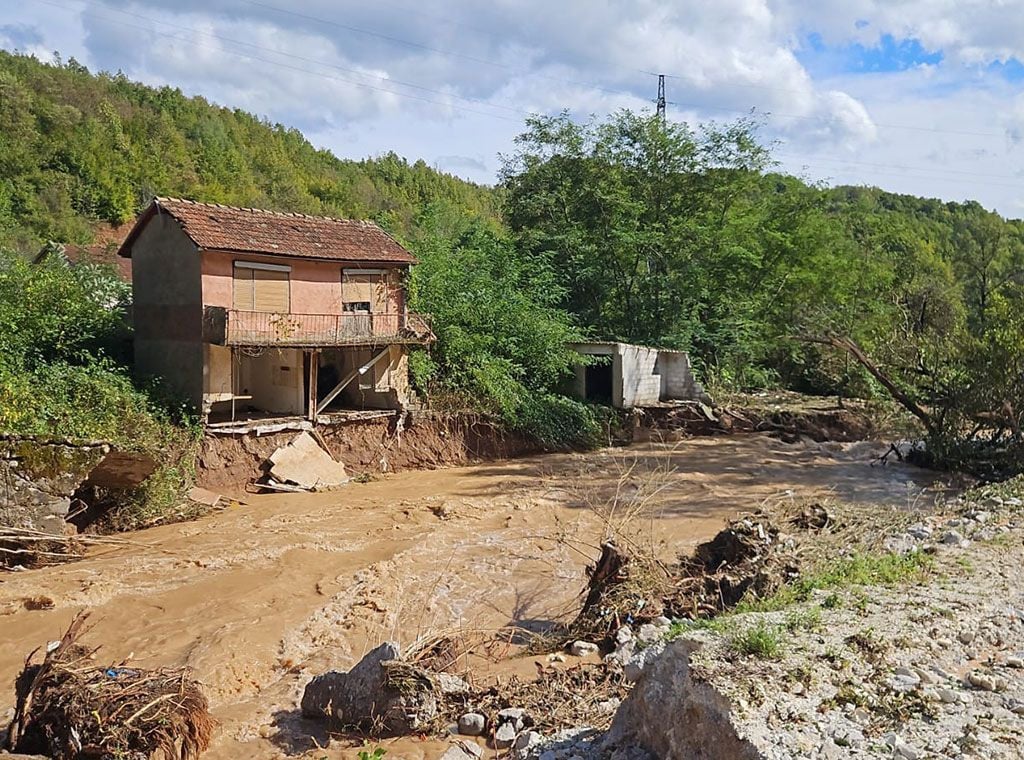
point(259, 597)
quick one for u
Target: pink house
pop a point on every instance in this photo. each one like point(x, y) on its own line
point(249, 313)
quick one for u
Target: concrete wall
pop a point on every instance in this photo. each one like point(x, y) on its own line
point(641, 376)
point(217, 373)
point(274, 379)
point(315, 286)
point(640, 385)
point(168, 307)
point(677, 381)
point(37, 480)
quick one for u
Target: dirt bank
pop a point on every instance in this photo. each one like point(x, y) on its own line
point(395, 442)
point(391, 443)
point(258, 598)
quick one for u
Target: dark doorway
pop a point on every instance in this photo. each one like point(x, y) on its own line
point(599, 383)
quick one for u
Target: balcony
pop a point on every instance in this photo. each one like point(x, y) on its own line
point(232, 327)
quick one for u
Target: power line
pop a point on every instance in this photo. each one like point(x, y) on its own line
point(979, 182)
point(900, 166)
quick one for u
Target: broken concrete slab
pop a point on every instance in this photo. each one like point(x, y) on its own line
point(203, 496)
point(306, 464)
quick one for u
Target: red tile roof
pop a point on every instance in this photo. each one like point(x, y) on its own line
point(228, 228)
point(100, 255)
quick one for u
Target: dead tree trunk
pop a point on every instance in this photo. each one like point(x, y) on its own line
point(852, 349)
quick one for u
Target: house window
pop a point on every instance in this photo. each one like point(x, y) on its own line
point(261, 287)
point(365, 287)
point(356, 307)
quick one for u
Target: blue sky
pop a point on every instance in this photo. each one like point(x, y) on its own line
point(919, 96)
point(885, 55)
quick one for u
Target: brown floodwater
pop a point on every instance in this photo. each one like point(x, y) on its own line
point(259, 597)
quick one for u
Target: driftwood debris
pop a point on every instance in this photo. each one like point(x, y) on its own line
point(69, 707)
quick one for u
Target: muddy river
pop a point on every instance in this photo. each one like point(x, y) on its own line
point(259, 597)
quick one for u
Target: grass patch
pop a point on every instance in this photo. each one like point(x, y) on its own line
point(720, 624)
point(804, 620)
point(856, 570)
point(761, 640)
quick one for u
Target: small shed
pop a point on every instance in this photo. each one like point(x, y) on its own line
point(627, 375)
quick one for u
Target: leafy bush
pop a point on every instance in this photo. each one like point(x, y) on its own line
point(501, 341)
point(61, 328)
point(556, 420)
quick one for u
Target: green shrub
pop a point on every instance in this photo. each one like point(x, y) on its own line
point(502, 342)
point(61, 330)
point(759, 640)
point(556, 420)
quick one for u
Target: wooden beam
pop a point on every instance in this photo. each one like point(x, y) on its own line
point(314, 372)
point(349, 378)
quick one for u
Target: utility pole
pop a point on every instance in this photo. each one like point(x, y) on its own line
point(661, 98)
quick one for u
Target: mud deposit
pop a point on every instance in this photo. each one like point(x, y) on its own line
point(258, 598)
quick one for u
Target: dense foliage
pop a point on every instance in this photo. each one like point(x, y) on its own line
point(62, 338)
point(502, 339)
point(79, 152)
point(77, 148)
point(660, 234)
point(624, 228)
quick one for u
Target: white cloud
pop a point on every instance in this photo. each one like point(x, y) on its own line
point(453, 86)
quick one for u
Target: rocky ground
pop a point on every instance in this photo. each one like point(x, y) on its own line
point(928, 662)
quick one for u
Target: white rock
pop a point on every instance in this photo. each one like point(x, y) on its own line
point(512, 716)
point(981, 681)
point(504, 736)
point(526, 740)
point(650, 632)
point(472, 724)
point(924, 676)
point(463, 751)
point(954, 538)
point(920, 531)
point(582, 648)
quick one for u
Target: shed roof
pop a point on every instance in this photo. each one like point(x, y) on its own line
point(100, 255)
point(212, 226)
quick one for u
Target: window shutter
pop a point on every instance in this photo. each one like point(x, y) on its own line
point(243, 289)
point(270, 291)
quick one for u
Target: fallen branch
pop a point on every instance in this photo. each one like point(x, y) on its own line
point(853, 350)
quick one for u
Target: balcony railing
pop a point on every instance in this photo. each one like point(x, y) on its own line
point(232, 327)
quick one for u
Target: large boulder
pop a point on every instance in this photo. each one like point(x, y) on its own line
point(381, 695)
point(674, 715)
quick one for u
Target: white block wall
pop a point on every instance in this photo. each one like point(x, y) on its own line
point(641, 386)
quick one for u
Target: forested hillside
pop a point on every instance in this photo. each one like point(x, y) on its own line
point(78, 148)
point(624, 228)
